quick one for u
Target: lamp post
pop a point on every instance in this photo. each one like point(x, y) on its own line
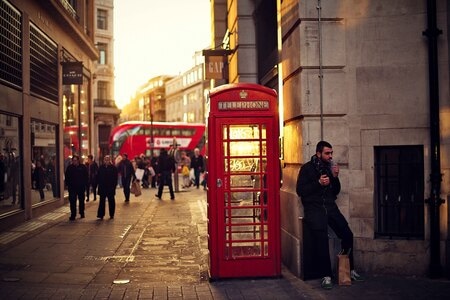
point(151, 126)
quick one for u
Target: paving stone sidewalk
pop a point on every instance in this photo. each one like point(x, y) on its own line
point(154, 249)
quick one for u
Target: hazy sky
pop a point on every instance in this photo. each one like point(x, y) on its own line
point(156, 37)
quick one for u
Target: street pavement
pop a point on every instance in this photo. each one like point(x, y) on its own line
point(155, 249)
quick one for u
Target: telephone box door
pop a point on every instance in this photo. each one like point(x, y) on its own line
point(243, 197)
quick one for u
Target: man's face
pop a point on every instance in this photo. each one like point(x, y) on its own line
point(326, 154)
point(107, 160)
point(75, 161)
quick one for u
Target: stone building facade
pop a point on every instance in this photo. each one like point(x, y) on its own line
point(106, 114)
point(359, 75)
point(46, 72)
point(186, 95)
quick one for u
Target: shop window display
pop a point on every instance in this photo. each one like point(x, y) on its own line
point(44, 171)
point(10, 164)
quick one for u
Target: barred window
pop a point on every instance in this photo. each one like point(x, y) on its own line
point(10, 45)
point(43, 65)
point(399, 192)
point(102, 90)
point(102, 19)
point(102, 49)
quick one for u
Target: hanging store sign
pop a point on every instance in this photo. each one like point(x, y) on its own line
point(72, 72)
point(216, 64)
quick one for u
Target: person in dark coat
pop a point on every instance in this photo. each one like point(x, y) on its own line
point(126, 171)
point(39, 179)
point(51, 175)
point(76, 177)
point(92, 181)
point(107, 182)
point(197, 165)
point(318, 186)
point(166, 164)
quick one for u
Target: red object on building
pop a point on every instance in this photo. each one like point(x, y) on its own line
point(243, 182)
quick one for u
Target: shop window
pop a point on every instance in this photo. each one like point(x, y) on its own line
point(76, 121)
point(44, 173)
point(399, 192)
point(10, 164)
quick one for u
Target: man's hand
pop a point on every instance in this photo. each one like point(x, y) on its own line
point(324, 180)
point(335, 170)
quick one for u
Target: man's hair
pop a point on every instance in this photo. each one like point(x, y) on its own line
point(321, 145)
point(90, 156)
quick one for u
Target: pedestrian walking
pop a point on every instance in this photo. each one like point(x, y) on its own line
point(107, 182)
point(166, 164)
point(76, 177)
point(126, 171)
point(92, 167)
point(154, 165)
point(197, 165)
point(51, 175)
point(318, 186)
point(39, 179)
point(185, 169)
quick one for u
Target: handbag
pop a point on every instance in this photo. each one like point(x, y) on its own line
point(137, 188)
point(133, 188)
point(343, 269)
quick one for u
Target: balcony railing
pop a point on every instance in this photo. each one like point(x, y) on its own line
point(104, 103)
point(69, 9)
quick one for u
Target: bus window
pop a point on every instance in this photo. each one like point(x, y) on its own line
point(175, 132)
point(166, 132)
point(187, 132)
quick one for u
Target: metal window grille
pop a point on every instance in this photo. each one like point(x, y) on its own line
point(10, 45)
point(399, 192)
point(43, 65)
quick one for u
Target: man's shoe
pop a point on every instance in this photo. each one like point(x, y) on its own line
point(156, 195)
point(82, 217)
point(72, 219)
point(355, 276)
point(326, 283)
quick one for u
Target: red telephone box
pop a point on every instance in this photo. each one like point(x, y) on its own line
point(243, 182)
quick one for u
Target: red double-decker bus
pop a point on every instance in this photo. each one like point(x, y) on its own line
point(140, 137)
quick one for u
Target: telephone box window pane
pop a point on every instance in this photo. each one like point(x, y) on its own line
point(242, 250)
point(237, 181)
point(225, 132)
point(225, 149)
point(242, 164)
point(246, 131)
point(241, 215)
point(263, 132)
point(241, 196)
point(244, 148)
